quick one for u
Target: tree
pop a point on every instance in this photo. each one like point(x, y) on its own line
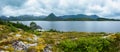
point(33, 25)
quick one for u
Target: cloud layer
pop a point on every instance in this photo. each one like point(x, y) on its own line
point(103, 8)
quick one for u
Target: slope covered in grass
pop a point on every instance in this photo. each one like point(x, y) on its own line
point(57, 41)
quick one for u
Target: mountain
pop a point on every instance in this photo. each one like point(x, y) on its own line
point(52, 17)
point(94, 16)
point(3, 17)
point(80, 16)
point(22, 18)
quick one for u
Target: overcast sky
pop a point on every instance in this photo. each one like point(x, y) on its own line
point(103, 8)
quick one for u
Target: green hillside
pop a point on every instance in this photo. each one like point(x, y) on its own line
point(58, 41)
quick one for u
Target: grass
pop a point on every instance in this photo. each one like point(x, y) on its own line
point(60, 41)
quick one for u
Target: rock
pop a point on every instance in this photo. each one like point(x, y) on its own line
point(19, 45)
point(11, 33)
point(29, 39)
point(3, 51)
point(35, 38)
point(29, 45)
point(20, 29)
point(109, 36)
point(47, 48)
point(18, 35)
point(5, 47)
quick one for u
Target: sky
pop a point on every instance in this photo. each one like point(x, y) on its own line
point(102, 8)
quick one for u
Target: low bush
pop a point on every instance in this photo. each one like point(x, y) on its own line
point(53, 30)
point(93, 44)
point(17, 25)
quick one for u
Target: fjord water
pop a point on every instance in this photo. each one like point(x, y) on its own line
point(79, 26)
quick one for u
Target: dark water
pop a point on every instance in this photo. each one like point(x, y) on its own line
point(79, 26)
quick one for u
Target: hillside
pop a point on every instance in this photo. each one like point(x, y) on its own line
point(7, 37)
point(57, 41)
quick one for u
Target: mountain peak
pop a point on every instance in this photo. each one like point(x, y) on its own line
point(94, 16)
point(52, 15)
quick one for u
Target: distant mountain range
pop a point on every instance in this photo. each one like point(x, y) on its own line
point(53, 17)
point(80, 16)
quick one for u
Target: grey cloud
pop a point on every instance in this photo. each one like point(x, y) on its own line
point(102, 8)
point(12, 2)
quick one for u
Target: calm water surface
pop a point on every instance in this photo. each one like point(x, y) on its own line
point(79, 26)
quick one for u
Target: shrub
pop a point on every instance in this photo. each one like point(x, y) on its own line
point(13, 29)
point(53, 30)
point(92, 44)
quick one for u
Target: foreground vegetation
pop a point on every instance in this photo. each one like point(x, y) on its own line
point(58, 41)
point(83, 41)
